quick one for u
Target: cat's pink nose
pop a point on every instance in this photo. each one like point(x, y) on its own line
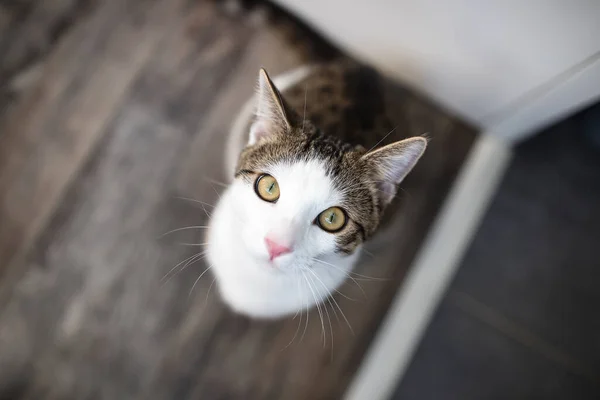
point(275, 249)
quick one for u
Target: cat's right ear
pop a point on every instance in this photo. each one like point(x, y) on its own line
point(272, 116)
point(390, 164)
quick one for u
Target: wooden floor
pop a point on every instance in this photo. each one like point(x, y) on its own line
point(110, 111)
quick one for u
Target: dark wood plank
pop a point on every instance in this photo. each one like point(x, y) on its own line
point(156, 119)
point(90, 318)
point(51, 131)
point(29, 30)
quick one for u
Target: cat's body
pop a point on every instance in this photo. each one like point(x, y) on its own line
point(320, 145)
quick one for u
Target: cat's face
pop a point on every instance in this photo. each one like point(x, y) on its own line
point(291, 213)
point(307, 194)
point(287, 231)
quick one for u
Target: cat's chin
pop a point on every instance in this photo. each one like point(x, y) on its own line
point(260, 290)
point(255, 287)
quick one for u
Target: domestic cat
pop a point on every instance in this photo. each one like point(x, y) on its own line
point(314, 170)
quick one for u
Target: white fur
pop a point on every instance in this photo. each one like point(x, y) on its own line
point(250, 283)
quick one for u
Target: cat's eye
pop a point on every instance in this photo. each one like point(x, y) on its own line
point(267, 188)
point(332, 220)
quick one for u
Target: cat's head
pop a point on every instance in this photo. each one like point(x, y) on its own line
point(305, 194)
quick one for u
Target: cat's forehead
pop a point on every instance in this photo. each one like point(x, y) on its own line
point(298, 147)
point(307, 180)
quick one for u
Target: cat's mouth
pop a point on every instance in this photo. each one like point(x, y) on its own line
point(282, 264)
point(278, 265)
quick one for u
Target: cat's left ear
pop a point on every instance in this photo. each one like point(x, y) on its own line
point(390, 164)
point(272, 115)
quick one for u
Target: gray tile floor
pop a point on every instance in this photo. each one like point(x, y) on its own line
point(521, 319)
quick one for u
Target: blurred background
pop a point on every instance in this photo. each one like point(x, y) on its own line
point(113, 119)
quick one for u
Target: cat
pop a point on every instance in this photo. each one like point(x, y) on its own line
point(314, 171)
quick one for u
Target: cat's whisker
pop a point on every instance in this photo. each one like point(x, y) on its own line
point(215, 190)
point(359, 276)
point(297, 292)
point(382, 139)
point(328, 317)
point(190, 263)
point(192, 244)
point(297, 330)
point(195, 201)
point(330, 327)
point(328, 298)
point(295, 315)
point(197, 280)
point(178, 264)
point(319, 280)
point(216, 182)
point(329, 320)
point(307, 308)
point(343, 295)
point(336, 290)
point(208, 291)
point(202, 204)
point(337, 318)
point(346, 273)
point(192, 258)
point(334, 301)
point(318, 308)
point(305, 324)
point(183, 229)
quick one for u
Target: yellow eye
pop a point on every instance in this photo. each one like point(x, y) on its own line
point(332, 220)
point(267, 188)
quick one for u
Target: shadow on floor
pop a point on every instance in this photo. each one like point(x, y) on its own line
point(520, 320)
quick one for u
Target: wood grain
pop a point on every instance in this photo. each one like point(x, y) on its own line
point(130, 113)
point(52, 130)
point(29, 31)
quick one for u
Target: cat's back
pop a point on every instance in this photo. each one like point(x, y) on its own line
point(345, 99)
